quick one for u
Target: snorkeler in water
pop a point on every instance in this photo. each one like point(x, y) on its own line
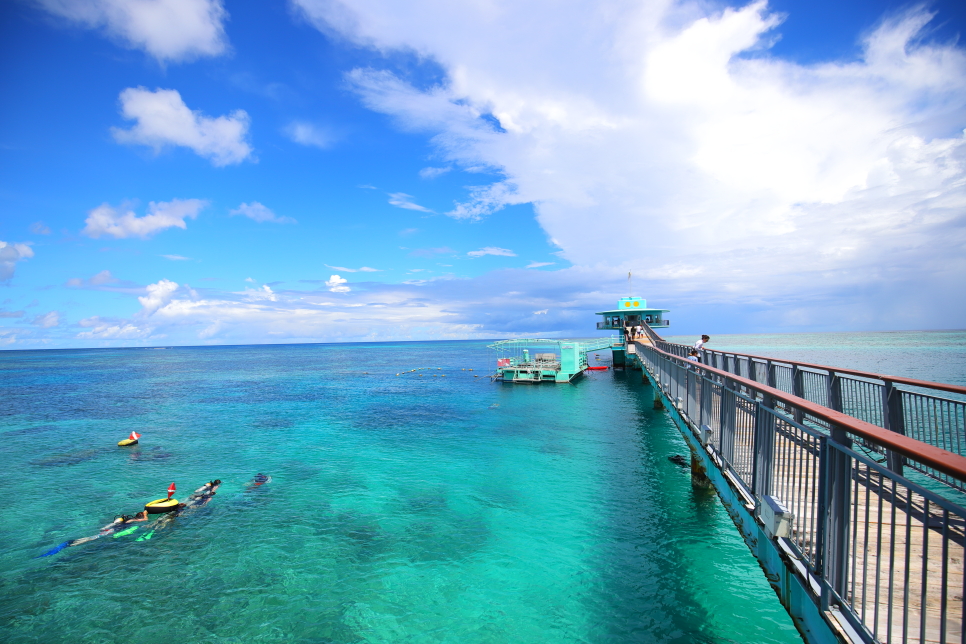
point(199, 498)
point(117, 524)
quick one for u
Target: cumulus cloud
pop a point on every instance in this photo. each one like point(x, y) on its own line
point(110, 329)
point(671, 122)
point(121, 222)
point(158, 295)
point(163, 119)
point(337, 284)
point(308, 134)
point(169, 30)
point(265, 293)
point(10, 254)
point(257, 212)
point(492, 250)
point(47, 320)
point(402, 200)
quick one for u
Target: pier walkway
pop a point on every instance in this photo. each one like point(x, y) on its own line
point(810, 461)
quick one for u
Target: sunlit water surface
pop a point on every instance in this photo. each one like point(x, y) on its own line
point(406, 508)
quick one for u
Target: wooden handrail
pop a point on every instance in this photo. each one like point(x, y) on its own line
point(935, 457)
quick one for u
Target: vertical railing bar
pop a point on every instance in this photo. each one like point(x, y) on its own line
point(905, 581)
point(925, 571)
point(878, 558)
point(943, 602)
point(892, 559)
point(854, 484)
point(865, 542)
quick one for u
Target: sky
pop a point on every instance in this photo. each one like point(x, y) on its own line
point(189, 172)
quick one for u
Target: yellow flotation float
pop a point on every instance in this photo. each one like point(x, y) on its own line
point(130, 440)
point(160, 506)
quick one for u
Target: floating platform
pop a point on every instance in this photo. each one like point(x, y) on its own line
point(533, 360)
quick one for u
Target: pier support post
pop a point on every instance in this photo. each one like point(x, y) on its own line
point(644, 378)
point(699, 476)
point(658, 403)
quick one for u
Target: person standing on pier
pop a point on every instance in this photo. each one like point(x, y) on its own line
point(699, 346)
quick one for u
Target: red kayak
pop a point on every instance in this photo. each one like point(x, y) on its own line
point(596, 368)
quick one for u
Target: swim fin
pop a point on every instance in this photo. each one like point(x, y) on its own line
point(146, 536)
point(124, 532)
point(54, 551)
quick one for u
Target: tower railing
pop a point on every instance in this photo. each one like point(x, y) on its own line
point(882, 551)
point(931, 412)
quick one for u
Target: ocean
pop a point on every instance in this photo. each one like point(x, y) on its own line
point(429, 506)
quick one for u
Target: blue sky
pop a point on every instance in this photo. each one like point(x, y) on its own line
point(198, 172)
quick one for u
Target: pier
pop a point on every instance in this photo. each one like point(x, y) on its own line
point(847, 486)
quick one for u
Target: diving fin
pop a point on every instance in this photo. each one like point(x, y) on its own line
point(124, 532)
point(54, 551)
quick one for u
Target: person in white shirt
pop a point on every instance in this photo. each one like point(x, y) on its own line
point(699, 346)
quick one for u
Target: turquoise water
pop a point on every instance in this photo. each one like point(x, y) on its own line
point(402, 508)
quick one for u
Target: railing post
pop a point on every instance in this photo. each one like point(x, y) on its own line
point(834, 391)
point(893, 420)
point(838, 493)
point(728, 416)
point(764, 448)
point(798, 389)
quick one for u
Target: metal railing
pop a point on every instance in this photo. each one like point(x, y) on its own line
point(905, 406)
point(888, 553)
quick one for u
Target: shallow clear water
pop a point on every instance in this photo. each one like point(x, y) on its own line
point(402, 508)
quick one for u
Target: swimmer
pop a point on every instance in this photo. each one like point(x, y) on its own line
point(109, 529)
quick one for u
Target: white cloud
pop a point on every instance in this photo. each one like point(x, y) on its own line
point(336, 284)
point(249, 279)
point(39, 228)
point(402, 200)
point(363, 269)
point(169, 30)
point(539, 264)
point(47, 320)
point(432, 173)
point(265, 293)
point(158, 296)
point(492, 250)
point(257, 212)
point(758, 177)
point(308, 134)
point(176, 258)
point(541, 312)
point(107, 329)
point(163, 119)
point(10, 254)
point(121, 222)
